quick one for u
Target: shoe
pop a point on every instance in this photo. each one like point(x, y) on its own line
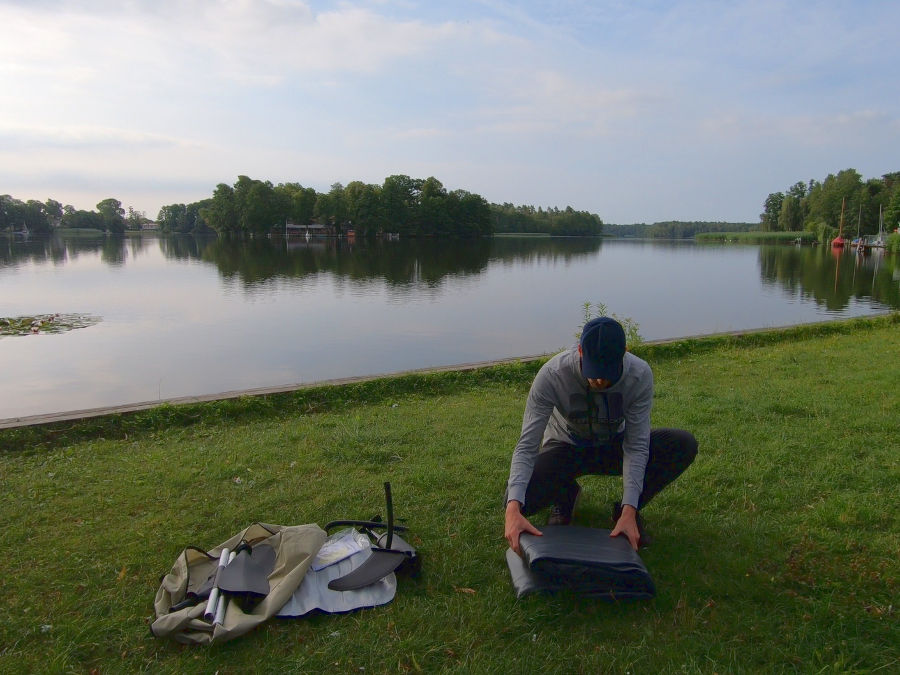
point(562, 514)
point(645, 539)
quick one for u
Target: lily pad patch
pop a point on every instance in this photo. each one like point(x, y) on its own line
point(45, 323)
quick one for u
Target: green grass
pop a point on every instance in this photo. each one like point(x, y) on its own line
point(777, 551)
point(756, 237)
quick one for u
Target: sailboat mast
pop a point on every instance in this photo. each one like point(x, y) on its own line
point(841, 225)
point(838, 241)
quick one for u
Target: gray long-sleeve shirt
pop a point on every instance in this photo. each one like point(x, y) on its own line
point(557, 409)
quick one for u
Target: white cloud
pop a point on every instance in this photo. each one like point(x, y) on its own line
point(538, 102)
point(549, 101)
point(81, 137)
point(420, 133)
point(803, 130)
point(260, 42)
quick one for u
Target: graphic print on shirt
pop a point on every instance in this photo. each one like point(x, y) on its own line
point(595, 416)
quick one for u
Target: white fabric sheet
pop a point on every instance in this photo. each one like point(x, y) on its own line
point(313, 592)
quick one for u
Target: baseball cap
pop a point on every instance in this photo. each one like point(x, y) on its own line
point(602, 349)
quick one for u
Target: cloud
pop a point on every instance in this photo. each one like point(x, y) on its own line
point(421, 133)
point(81, 137)
point(550, 101)
point(238, 37)
point(520, 101)
point(811, 130)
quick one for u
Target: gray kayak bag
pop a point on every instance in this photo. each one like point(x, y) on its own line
point(272, 562)
point(583, 560)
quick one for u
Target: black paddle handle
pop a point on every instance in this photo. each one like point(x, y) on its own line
point(375, 524)
point(390, 513)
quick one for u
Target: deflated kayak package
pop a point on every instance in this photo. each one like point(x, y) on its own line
point(267, 570)
point(582, 560)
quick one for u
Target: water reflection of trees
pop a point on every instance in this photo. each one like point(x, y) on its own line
point(58, 249)
point(412, 261)
point(185, 247)
point(556, 249)
point(398, 263)
point(421, 262)
point(831, 278)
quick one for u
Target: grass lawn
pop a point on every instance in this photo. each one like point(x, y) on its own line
point(776, 551)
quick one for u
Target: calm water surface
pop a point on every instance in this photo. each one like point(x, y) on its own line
point(182, 316)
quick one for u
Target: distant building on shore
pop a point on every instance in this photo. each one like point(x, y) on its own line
point(311, 229)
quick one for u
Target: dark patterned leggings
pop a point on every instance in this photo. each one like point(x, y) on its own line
point(559, 464)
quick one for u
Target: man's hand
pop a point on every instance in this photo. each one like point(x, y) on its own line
point(516, 524)
point(626, 525)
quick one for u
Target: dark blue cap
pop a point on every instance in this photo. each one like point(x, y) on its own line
point(602, 349)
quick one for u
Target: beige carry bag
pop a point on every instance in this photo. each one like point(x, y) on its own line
point(182, 610)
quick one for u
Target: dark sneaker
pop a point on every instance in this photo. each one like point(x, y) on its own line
point(561, 514)
point(645, 539)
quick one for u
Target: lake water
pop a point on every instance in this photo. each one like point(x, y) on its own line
point(184, 316)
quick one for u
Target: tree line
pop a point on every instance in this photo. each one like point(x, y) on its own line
point(553, 221)
point(676, 229)
point(410, 207)
point(817, 206)
point(401, 205)
point(424, 207)
point(38, 217)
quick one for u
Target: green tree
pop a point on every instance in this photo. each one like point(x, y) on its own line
point(12, 214)
point(575, 223)
point(431, 215)
point(194, 221)
point(838, 192)
point(259, 213)
point(324, 210)
point(281, 207)
point(791, 217)
point(300, 202)
point(171, 218)
point(184, 218)
point(892, 212)
point(221, 213)
point(768, 219)
point(54, 212)
point(112, 215)
point(254, 203)
point(400, 197)
point(16, 215)
point(36, 217)
point(472, 213)
point(364, 209)
point(338, 203)
point(331, 208)
point(135, 219)
point(797, 190)
point(79, 219)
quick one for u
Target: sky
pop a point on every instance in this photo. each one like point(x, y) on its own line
point(638, 111)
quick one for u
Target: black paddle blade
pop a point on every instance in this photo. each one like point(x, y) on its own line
point(376, 567)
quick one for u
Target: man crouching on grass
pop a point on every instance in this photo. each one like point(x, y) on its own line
point(588, 412)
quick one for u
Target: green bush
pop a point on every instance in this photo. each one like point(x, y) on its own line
point(893, 243)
